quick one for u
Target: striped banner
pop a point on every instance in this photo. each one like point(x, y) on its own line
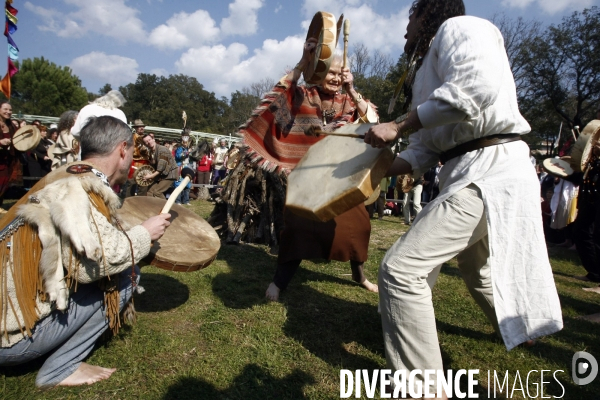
point(10, 27)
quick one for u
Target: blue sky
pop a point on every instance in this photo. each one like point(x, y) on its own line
point(226, 45)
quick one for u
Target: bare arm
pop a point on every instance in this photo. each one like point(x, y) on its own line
point(348, 81)
point(399, 167)
point(307, 55)
point(384, 134)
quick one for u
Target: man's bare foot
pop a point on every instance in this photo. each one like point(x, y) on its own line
point(592, 289)
point(87, 374)
point(592, 318)
point(371, 287)
point(272, 292)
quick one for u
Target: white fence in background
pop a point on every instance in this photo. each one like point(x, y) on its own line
point(160, 133)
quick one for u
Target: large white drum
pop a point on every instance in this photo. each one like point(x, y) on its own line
point(336, 174)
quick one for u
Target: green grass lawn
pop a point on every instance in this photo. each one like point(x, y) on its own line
point(210, 334)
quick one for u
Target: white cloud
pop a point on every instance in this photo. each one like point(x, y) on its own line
point(223, 70)
point(335, 7)
point(550, 6)
point(113, 69)
point(108, 17)
point(242, 18)
point(378, 32)
point(193, 30)
point(184, 30)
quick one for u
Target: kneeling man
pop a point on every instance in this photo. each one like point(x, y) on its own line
point(67, 264)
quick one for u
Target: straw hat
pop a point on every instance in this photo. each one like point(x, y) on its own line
point(138, 122)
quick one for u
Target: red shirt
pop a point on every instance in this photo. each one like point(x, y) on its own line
point(205, 163)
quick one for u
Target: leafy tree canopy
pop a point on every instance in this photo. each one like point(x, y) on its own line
point(44, 88)
point(160, 101)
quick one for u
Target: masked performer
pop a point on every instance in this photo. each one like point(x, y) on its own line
point(70, 266)
point(465, 113)
point(276, 139)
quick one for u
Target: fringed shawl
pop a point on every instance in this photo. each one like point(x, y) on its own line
point(275, 133)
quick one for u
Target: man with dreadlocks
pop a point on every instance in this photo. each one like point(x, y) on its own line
point(67, 265)
point(464, 112)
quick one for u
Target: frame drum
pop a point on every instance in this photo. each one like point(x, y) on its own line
point(188, 244)
point(594, 128)
point(141, 172)
point(26, 138)
point(323, 28)
point(557, 167)
point(336, 174)
point(577, 160)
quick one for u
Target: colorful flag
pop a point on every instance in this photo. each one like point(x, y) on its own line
point(10, 27)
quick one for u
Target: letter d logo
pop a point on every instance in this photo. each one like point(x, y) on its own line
point(584, 368)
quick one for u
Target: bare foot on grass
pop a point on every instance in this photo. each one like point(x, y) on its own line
point(592, 318)
point(87, 374)
point(592, 289)
point(272, 292)
point(371, 287)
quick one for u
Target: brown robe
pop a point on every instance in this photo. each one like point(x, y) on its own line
point(344, 238)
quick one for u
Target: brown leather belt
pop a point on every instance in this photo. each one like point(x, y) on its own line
point(486, 141)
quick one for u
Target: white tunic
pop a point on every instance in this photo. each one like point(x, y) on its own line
point(465, 90)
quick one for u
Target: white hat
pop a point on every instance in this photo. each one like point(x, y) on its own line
point(94, 110)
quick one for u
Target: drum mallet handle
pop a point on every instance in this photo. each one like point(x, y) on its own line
point(317, 133)
point(188, 175)
point(346, 35)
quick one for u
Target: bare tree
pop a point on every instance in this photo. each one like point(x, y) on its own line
point(365, 64)
point(360, 60)
point(260, 88)
point(516, 33)
point(381, 64)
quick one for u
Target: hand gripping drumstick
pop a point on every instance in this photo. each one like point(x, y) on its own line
point(188, 175)
point(312, 131)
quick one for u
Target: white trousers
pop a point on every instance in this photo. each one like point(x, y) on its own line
point(415, 195)
point(456, 227)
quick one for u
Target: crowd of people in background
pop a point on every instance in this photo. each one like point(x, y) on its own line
point(404, 196)
point(20, 170)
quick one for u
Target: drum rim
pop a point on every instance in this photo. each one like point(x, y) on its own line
point(564, 163)
point(160, 261)
point(587, 150)
point(309, 72)
point(21, 133)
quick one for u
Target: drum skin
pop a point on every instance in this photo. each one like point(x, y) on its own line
point(134, 167)
point(336, 174)
point(188, 244)
point(26, 138)
point(593, 128)
point(324, 28)
point(577, 160)
point(557, 167)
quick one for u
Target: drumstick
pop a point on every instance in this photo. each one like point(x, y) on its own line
point(317, 132)
point(189, 174)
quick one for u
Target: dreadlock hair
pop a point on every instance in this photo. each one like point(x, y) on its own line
point(433, 14)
